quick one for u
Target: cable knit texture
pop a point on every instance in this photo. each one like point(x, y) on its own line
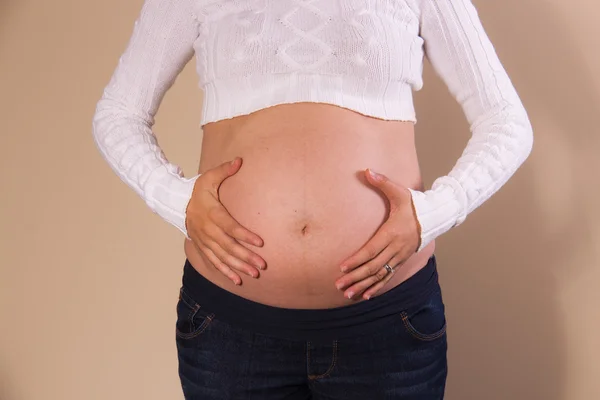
point(366, 56)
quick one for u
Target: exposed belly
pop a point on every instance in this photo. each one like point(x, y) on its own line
point(301, 188)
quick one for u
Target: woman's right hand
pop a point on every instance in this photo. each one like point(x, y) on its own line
point(214, 231)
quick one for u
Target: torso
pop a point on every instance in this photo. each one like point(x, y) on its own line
point(302, 189)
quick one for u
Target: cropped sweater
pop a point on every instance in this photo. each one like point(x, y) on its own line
point(363, 55)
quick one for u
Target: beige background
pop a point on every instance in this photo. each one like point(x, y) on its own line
point(520, 277)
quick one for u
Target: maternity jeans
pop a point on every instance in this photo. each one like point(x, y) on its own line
point(392, 346)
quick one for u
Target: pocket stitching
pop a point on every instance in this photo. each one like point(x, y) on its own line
point(418, 335)
point(183, 296)
point(209, 318)
point(187, 299)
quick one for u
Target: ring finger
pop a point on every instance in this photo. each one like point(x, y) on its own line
point(373, 289)
point(395, 263)
point(368, 275)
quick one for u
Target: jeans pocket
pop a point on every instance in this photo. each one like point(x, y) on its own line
point(192, 318)
point(426, 321)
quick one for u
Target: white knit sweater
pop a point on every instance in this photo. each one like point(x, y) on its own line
point(364, 55)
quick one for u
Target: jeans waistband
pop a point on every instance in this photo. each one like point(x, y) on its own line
point(363, 317)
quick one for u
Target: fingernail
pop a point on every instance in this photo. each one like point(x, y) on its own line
point(368, 296)
point(339, 286)
point(350, 294)
point(375, 175)
point(344, 268)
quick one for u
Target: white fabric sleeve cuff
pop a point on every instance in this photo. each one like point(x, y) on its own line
point(168, 194)
point(439, 209)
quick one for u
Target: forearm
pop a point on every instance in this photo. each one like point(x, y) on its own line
point(502, 137)
point(159, 48)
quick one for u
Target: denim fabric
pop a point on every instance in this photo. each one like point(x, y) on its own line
point(406, 359)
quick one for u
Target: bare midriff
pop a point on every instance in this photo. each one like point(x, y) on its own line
point(302, 189)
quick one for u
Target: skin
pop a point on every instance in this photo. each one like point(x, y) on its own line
point(396, 240)
point(299, 202)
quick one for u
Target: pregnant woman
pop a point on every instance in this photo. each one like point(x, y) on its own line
point(306, 277)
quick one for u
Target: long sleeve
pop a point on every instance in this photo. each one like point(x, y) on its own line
point(158, 50)
point(501, 139)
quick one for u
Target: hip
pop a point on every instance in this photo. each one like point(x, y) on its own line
point(202, 303)
point(393, 346)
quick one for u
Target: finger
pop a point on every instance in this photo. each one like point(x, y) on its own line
point(394, 192)
point(358, 288)
point(230, 260)
point(370, 292)
point(221, 217)
point(225, 170)
point(369, 251)
point(224, 269)
point(215, 176)
point(231, 246)
point(390, 189)
point(396, 262)
point(366, 274)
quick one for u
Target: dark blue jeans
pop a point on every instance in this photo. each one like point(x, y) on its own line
point(392, 346)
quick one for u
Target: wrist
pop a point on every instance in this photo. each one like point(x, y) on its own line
point(168, 194)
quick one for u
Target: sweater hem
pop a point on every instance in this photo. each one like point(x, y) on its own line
point(228, 98)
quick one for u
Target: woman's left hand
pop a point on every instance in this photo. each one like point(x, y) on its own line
point(396, 240)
